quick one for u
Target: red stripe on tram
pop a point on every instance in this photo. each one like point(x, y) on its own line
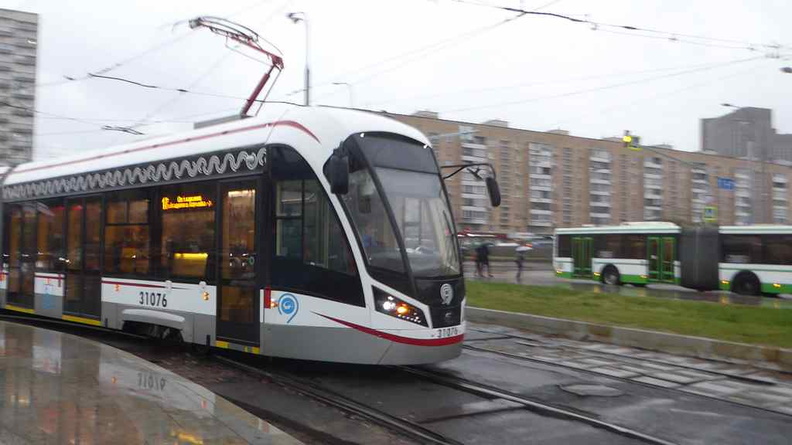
point(398, 338)
point(292, 124)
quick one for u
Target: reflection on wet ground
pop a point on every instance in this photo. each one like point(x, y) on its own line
point(542, 275)
point(58, 388)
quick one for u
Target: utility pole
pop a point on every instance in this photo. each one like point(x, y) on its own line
point(296, 17)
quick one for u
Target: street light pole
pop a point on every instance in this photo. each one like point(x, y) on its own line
point(351, 94)
point(302, 17)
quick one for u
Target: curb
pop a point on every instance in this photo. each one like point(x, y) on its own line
point(657, 341)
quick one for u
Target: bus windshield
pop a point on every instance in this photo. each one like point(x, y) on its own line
point(409, 179)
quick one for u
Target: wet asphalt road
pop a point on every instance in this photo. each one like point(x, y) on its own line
point(668, 413)
point(541, 274)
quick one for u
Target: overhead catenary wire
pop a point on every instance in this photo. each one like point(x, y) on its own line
point(153, 49)
point(637, 31)
point(418, 53)
point(543, 82)
point(599, 88)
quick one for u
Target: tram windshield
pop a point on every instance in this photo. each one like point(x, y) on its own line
point(408, 176)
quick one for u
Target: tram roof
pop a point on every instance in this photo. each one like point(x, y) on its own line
point(313, 131)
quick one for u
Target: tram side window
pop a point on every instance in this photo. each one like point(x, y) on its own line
point(14, 246)
point(564, 246)
point(188, 230)
point(127, 233)
point(311, 252)
point(777, 249)
point(742, 249)
point(307, 230)
point(50, 237)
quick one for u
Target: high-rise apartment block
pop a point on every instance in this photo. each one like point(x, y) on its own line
point(18, 43)
point(553, 179)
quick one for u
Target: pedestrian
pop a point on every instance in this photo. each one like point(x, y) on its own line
point(520, 260)
point(480, 260)
point(482, 255)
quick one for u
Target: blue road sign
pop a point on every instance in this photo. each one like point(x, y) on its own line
point(726, 183)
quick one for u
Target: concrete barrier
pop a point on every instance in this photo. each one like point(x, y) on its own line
point(653, 340)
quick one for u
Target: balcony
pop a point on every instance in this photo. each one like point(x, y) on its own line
point(539, 223)
point(651, 164)
point(600, 181)
point(541, 212)
point(474, 146)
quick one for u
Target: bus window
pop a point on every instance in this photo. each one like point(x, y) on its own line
point(742, 249)
point(634, 246)
point(778, 249)
point(127, 233)
point(188, 230)
point(564, 246)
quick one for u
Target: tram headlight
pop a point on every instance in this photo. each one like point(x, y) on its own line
point(390, 305)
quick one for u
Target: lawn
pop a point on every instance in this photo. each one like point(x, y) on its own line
point(744, 324)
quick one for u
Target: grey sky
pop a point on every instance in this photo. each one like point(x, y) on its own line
point(544, 68)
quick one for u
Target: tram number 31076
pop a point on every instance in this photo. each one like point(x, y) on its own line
point(156, 299)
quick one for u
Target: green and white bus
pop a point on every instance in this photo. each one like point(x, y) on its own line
point(634, 253)
point(749, 260)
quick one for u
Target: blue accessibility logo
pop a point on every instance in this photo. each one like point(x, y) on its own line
point(288, 305)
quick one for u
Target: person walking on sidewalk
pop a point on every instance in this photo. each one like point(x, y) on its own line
point(482, 259)
point(520, 261)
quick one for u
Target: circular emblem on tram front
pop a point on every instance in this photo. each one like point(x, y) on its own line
point(446, 293)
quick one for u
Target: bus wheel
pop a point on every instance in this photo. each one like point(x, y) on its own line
point(746, 283)
point(611, 276)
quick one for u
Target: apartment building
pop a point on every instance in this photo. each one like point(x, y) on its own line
point(554, 179)
point(18, 43)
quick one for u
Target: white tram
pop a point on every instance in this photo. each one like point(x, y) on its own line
point(311, 233)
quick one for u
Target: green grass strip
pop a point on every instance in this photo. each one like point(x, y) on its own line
point(737, 323)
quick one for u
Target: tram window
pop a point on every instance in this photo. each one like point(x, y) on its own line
point(188, 230)
point(14, 248)
point(634, 246)
point(93, 234)
point(50, 236)
point(742, 249)
point(778, 249)
point(127, 236)
point(311, 252)
point(564, 246)
point(313, 237)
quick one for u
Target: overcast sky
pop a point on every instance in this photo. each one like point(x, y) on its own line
point(538, 73)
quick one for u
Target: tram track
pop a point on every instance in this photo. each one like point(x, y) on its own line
point(531, 342)
point(529, 404)
point(397, 424)
point(526, 341)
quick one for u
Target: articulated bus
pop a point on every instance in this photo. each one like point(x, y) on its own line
point(749, 260)
point(311, 233)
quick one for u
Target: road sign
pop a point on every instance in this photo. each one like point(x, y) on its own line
point(710, 214)
point(726, 183)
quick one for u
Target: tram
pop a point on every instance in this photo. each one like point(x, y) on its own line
point(307, 232)
point(749, 260)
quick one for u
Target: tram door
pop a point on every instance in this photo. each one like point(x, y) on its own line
point(581, 256)
point(237, 301)
point(83, 293)
point(22, 256)
point(661, 252)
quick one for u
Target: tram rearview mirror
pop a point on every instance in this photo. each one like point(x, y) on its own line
point(494, 191)
point(338, 173)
